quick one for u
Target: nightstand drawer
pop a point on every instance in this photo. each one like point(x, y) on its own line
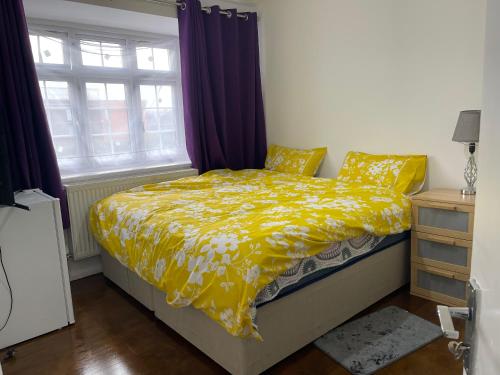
point(446, 219)
point(442, 252)
point(439, 285)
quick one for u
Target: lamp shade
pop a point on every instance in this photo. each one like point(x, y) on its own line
point(467, 129)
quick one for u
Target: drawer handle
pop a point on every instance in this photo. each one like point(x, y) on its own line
point(443, 206)
point(443, 273)
point(446, 241)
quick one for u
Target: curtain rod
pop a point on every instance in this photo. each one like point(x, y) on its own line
point(182, 5)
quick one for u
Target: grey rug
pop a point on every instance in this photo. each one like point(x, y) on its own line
point(376, 340)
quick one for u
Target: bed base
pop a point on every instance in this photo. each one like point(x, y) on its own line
point(286, 324)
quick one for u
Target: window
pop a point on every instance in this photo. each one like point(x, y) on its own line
point(113, 101)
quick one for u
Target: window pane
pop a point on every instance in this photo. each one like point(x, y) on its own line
point(108, 118)
point(58, 108)
point(57, 90)
point(161, 58)
point(61, 120)
point(96, 53)
point(101, 145)
point(158, 117)
point(65, 147)
point(121, 144)
point(34, 47)
point(144, 58)
point(119, 120)
point(153, 58)
point(51, 50)
point(110, 144)
point(166, 119)
point(150, 119)
point(167, 141)
point(112, 55)
point(152, 141)
point(91, 53)
point(116, 91)
point(148, 96)
point(164, 96)
point(95, 92)
point(98, 121)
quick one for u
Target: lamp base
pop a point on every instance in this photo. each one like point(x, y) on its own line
point(468, 191)
point(470, 172)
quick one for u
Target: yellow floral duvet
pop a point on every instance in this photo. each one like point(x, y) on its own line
point(214, 241)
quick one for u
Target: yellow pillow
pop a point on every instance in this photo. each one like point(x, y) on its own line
point(294, 161)
point(403, 173)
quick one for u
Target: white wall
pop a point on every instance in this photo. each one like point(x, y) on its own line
point(486, 259)
point(385, 76)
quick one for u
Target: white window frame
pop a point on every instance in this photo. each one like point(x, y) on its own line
point(77, 75)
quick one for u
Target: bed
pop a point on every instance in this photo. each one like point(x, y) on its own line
point(287, 324)
point(273, 316)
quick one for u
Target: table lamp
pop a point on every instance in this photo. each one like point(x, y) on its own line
point(467, 131)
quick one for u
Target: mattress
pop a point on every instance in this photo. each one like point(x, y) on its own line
point(336, 257)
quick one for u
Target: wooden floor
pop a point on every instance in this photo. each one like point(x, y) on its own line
point(114, 334)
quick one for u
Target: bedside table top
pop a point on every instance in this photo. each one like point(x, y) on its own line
point(446, 196)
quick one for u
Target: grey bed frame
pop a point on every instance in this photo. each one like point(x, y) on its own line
point(286, 324)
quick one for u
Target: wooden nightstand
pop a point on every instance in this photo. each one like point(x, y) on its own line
point(441, 245)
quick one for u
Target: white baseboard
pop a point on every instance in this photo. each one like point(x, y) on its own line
point(83, 268)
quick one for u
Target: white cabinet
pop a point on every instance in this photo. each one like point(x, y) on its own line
point(34, 257)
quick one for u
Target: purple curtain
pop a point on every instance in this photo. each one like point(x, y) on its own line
point(33, 162)
point(223, 108)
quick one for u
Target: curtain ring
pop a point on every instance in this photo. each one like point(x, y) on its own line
point(182, 5)
point(209, 10)
point(229, 14)
point(246, 17)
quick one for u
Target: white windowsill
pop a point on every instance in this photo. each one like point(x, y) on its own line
point(75, 179)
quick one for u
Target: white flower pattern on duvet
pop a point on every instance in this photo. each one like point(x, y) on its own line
point(214, 241)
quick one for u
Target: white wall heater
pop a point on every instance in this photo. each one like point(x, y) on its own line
point(81, 195)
